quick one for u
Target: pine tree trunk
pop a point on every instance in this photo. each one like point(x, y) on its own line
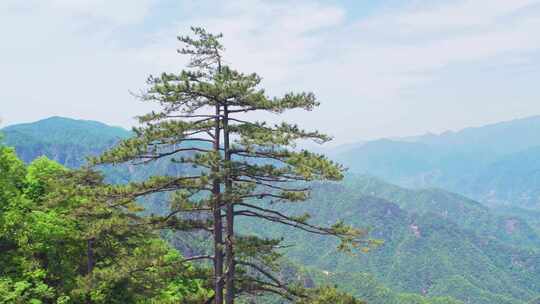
point(90, 255)
point(218, 225)
point(229, 250)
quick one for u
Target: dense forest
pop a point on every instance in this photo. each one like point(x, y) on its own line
point(200, 204)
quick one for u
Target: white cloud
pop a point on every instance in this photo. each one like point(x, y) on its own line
point(64, 57)
point(435, 17)
point(410, 61)
point(78, 59)
point(117, 12)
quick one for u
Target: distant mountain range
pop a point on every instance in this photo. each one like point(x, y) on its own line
point(437, 244)
point(497, 164)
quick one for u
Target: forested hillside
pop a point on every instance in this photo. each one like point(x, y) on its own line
point(436, 244)
point(440, 247)
point(67, 141)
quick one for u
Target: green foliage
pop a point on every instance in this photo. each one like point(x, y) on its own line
point(12, 177)
point(417, 299)
point(328, 295)
point(366, 287)
point(49, 214)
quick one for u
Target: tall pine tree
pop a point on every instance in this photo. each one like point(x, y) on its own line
point(232, 166)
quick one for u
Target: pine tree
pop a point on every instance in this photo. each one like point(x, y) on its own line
point(233, 167)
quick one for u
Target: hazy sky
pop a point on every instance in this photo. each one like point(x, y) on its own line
point(380, 68)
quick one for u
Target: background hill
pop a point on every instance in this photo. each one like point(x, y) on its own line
point(436, 243)
point(67, 141)
point(496, 164)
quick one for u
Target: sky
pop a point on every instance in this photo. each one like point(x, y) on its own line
point(380, 68)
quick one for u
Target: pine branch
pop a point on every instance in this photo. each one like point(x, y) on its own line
point(275, 187)
point(285, 221)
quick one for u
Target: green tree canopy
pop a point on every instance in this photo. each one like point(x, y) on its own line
point(61, 244)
